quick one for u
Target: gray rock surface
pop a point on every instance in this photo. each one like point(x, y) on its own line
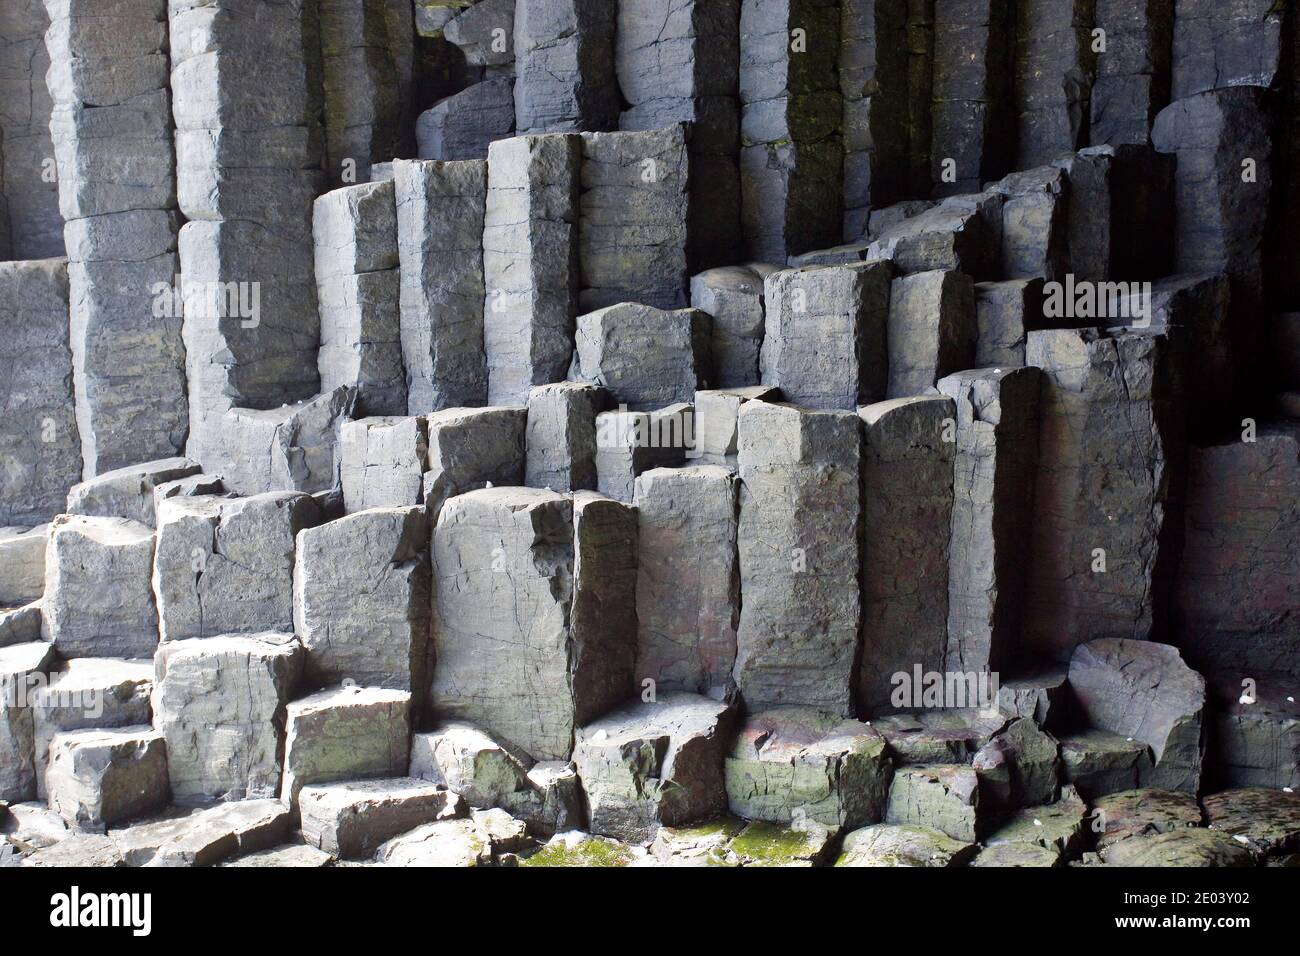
point(903, 845)
point(943, 797)
point(204, 837)
point(1241, 43)
point(1004, 314)
point(22, 564)
point(733, 297)
point(128, 492)
point(220, 702)
point(631, 443)
point(22, 670)
point(289, 448)
point(1133, 78)
point(561, 439)
point(383, 461)
point(644, 357)
point(471, 448)
point(799, 556)
point(932, 330)
point(564, 66)
point(99, 777)
point(717, 420)
point(1098, 762)
point(350, 820)
point(1054, 71)
point(1020, 767)
point(464, 125)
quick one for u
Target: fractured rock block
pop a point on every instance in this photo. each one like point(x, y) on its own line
point(471, 448)
point(733, 297)
point(634, 219)
point(791, 153)
point(564, 66)
point(798, 765)
point(717, 417)
point(220, 702)
point(367, 61)
point(97, 599)
point(482, 31)
point(345, 733)
point(99, 777)
point(22, 670)
point(961, 233)
point(825, 342)
point(88, 693)
point(447, 843)
point(1005, 312)
point(943, 797)
point(289, 448)
point(440, 240)
point(907, 493)
point(362, 599)
point(36, 362)
point(357, 286)
point(350, 820)
point(465, 124)
point(22, 564)
point(1236, 581)
point(1036, 223)
point(530, 273)
point(932, 330)
point(974, 46)
point(645, 357)
point(647, 765)
point(995, 459)
point(128, 492)
point(945, 734)
point(903, 845)
point(1108, 478)
point(1057, 829)
point(1098, 762)
point(383, 461)
point(1133, 75)
point(1143, 690)
point(799, 556)
point(1239, 43)
point(205, 837)
point(630, 443)
point(688, 579)
point(225, 565)
point(1055, 66)
point(22, 625)
point(515, 653)
point(561, 440)
point(1019, 767)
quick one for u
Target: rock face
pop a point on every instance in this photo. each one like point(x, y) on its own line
point(1097, 762)
point(1266, 821)
point(352, 819)
point(1019, 767)
point(345, 733)
point(221, 701)
point(907, 514)
point(645, 357)
point(530, 272)
point(22, 564)
point(688, 578)
point(128, 492)
point(361, 593)
point(1136, 813)
point(440, 243)
point(733, 297)
point(246, 99)
point(205, 837)
point(1254, 738)
point(97, 602)
point(561, 441)
point(98, 777)
point(463, 126)
point(631, 443)
point(471, 448)
point(1236, 534)
point(825, 340)
point(354, 233)
point(942, 797)
point(38, 404)
point(383, 462)
point(1133, 81)
point(291, 448)
point(506, 591)
point(225, 565)
point(654, 764)
point(1035, 223)
point(564, 66)
point(717, 419)
point(799, 556)
point(111, 131)
point(635, 252)
point(995, 459)
point(796, 765)
point(1107, 481)
point(1054, 70)
point(932, 330)
point(1143, 690)
point(88, 693)
point(1181, 847)
point(22, 667)
point(1238, 44)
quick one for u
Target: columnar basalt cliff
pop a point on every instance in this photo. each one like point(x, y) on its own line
point(649, 432)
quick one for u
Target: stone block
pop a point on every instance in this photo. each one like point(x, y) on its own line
point(644, 357)
point(932, 330)
point(99, 777)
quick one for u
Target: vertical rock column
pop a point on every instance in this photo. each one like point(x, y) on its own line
point(564, 66)
point(368, 57)
point(791, 153)
point(439, 240)
point(996, 454)
point(27, 187)
point(907, 505)
point(972, 140)
point(1133, 72)
point(111, 128)
point(1107, 488)
point(530, 268)
point(680, 63)
point(357, 283)
point(40, 451)
point(247, 101)
point(1054, 71)
point(799, 556)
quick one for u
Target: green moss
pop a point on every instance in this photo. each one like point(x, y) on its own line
point(770, 844)
point(590, 852)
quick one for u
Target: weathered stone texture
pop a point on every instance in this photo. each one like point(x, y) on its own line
point(733, 297)
point(564, 66)
point(561, 440)
point(1133, 75)
point(644, 357)
point(799, 556)
point(383, 461)
point(717, 417)
point(630, 443)
point(465, 124)
point(471, 448)
point(40, 447)
point(1055, 67)
point(931, 332)
point(128, 492)
point(825, 344)
point(22, 668)
point(907, 514)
